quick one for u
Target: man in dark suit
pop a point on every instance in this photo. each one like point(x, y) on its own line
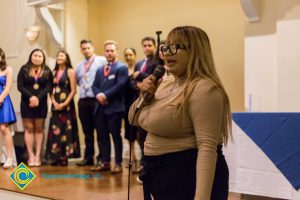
point(143, 69)
point(108, 86)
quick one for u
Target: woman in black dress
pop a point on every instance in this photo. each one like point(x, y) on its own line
point(131, 93)
point(34, 83)
point(63, 140)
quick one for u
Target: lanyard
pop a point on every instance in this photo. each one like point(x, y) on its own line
point(88, 65)
point(36, 74)
point(59, 75)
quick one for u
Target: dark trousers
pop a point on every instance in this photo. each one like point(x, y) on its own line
point(109, 124)
point(86, 108)
point(172, 176)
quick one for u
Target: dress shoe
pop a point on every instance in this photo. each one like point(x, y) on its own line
point(85, 162)
point(117, 169)
point(96, 167)
point(101, 167)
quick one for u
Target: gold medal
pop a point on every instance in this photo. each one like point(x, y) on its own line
point(36, 86)
point(57, 89)
point(36, 73)
point(85, 86)
point(63, 96)
point(63, 138)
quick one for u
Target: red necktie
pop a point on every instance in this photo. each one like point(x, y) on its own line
point(106, 70)
point(144, 66)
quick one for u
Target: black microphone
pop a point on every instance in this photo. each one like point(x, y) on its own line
point(157, 74)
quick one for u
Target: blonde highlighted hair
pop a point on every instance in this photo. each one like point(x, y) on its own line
point(200, 66)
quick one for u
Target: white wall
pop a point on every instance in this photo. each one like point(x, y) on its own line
point(15, 18)
point(272, 58)
point(288, 55)
point(76, 21)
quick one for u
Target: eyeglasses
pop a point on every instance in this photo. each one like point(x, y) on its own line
point(172, 48)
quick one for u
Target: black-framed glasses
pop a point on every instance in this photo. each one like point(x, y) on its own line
point(172, 48)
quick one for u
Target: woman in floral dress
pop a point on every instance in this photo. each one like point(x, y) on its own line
point(63, 140)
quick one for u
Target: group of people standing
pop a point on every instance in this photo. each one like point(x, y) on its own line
point(186, 117)
point(35, 82)
point(106, 94)
point(107, 88)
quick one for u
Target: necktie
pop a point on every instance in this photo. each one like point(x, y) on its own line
point(107, 69)
point(144, 66)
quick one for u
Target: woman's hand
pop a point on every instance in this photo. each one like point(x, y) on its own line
point(149, 86)
point(135, 74)
point(60, 106)
point(33, 102)
point(56, 105)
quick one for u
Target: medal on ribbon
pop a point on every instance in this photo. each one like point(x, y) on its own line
point(88, 65)
point(57, 78)
point(63, 96)
point(85, 86)
point(86, 73)
point(36, 86)
point(57, 89)
point(36, 74)
point(85, 76)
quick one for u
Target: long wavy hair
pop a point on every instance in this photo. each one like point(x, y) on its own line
point(3, 64)
point(200, 66)
point(68, 60)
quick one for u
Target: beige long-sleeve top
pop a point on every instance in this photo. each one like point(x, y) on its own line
point(199, 129)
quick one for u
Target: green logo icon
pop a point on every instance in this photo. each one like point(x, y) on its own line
point(22, 176)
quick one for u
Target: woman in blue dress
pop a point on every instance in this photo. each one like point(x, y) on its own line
point(7, 113)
